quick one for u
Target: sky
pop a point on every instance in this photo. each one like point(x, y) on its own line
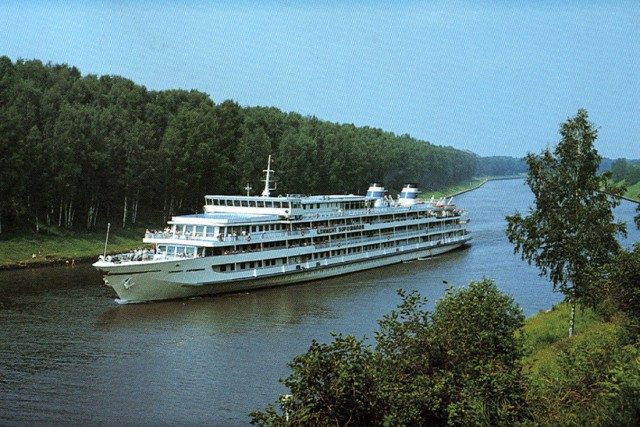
point(492, 77)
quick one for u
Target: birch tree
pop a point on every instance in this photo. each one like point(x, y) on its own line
point(571, 230)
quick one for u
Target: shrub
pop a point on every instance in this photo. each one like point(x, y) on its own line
point(459, 365)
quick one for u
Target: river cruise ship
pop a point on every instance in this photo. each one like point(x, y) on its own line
point(242, 243)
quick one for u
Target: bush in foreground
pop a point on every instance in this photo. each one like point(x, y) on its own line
point(594, 381)
point(459, 365)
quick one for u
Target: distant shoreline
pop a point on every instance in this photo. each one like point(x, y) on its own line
point(484, 182)
point(629, 199)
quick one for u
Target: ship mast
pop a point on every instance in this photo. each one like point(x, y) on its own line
point(267, 190)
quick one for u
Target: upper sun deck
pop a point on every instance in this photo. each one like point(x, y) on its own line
point(290, 206)
point(224, 218)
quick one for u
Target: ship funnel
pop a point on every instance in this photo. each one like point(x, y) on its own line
point(376, 194)
point(409, 195)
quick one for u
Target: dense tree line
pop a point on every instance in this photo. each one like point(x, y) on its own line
point(78, 150)
point(501, 166)
point(627, 171)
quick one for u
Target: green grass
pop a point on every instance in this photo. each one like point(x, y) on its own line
point(547, 335)
point(465, 186)
point(633, 192)
point(56, 245)
point(455, 189)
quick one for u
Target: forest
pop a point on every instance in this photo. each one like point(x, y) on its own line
point(79, 151)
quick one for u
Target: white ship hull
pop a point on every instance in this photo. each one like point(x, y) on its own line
point(164, 280)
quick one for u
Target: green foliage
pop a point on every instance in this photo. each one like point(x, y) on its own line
point(621, 170)
point(331, 384)
point(456, 366)
point(546, 337)
point(501, 166)
point(589, 379)
point(469, 362)
point(620, 280)
point(77, 151)
point(571, 230)
point(595, 382)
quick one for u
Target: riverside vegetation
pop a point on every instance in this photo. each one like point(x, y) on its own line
point(473, 361)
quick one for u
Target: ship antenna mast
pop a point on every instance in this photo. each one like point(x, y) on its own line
point(106, 241)
point(267, 190)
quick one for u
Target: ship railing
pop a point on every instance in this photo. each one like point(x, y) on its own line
point(281, 235)
point(445, 228)
point(141, 255)
point(431, 211)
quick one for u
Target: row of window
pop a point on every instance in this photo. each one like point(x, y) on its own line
point(250, 203)
point(191, 251)
point(273, 262)
point(285, 204)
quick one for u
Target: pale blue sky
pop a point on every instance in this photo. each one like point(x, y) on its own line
point(496, 78)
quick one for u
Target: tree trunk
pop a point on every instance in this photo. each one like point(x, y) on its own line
point(164, 210)
point(95, 214)
point(69, 214)
point(134, 210)
point(572, 317)
point(92, 213)
point(124, 212)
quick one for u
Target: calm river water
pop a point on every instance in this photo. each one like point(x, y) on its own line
point(70, 355)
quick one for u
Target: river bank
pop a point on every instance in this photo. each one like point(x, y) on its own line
point(633, 193)
point(56, 247)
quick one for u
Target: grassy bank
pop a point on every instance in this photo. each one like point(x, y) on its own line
point(633, 192)
point(455, 189)
point(591, 379)
point(466, 186)
point(547, 335)
point(59, 246)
